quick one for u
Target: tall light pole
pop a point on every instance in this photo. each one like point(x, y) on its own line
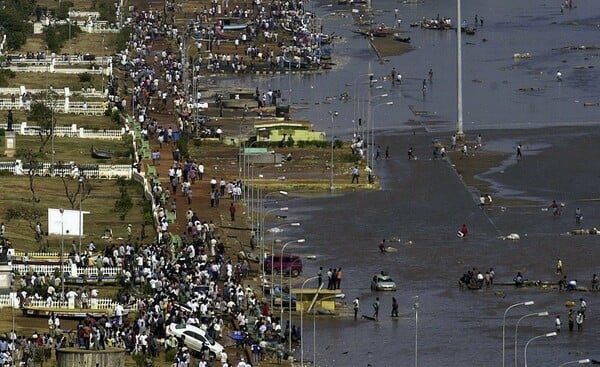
point(281, 287)
point(548, 335)
point(333, 114)
point(579, 361)
point(277, 230)
point(545, 313)
point(528, 303)
point(62, 251)
point(80, 212)
point(261, 240)
point(459, 111)
point(340, 296)
point(371, 150)
point(356, 106)
point(416, 308)
point(302, 321)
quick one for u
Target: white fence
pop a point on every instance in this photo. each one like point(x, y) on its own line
point(61, 60)
point(69, 131)
point(95, 108)
point(6, 300)
point(86, 93)
point(67, 269)
point(98, 171)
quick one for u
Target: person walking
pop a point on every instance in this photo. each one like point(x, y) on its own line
point(376, 309)
point(356, 307)
point(557, 323)
point(355, 174)
point(519, 152)
point(394, 307)
point(579, 320)
point(387, 152)
point(571, 319)
point(559, 266)
point(320, 276)
point(232, 211)
point(578, 215)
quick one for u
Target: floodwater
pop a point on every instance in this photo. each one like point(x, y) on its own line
point(423, 203)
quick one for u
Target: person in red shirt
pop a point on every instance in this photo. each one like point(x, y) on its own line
point(232, 211)
point(463, 231)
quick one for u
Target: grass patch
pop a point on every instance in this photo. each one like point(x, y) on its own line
point(51, 192)
point(74, 149)
point(58, 81)
point(87, 122)
point(83, 43)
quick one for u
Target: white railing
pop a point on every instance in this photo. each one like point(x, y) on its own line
point(8, 300)
point(94, 304)
point(99, 171)
point(60, 60)
point(51, 69)
point(86, 93)
point(68, 131)
point(61, 106)
point(67, 269)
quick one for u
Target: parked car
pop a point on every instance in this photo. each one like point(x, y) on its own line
point(382, 282)
point(289, 264)
point(196, 338)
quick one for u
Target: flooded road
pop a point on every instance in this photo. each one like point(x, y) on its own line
point(423, 203)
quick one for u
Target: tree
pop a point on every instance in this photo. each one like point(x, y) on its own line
point(42, 112)
point(83, 191)
point(124, 203)
point(14, 15)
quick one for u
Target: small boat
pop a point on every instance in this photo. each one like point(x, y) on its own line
point(398, 37)
point(226, 35)
point(436, 24)
point(231, 24)
point(415, 24)
point(101, 154)
point(468, 30)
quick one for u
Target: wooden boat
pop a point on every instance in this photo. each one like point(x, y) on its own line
point(398, 37)
point(226, 35)
point(436, 24)
point(295, 62)
point(231, 24)
point(68, 313)
point(101, 154)
point(377, 32)
point(468, 30)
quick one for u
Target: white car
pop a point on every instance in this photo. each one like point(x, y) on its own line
point(196, 338)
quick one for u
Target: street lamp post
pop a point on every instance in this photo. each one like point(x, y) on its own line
point(261, 238)
point(281, 288)
point(416, 307)
point(340, 296)
point(548, 335)
point(528, 303)
point(545, 313)
point(579, 361)
point(273, 230)
point(333, 115)
point(62, 251)
point(80, 211)
point(302, 320)
point(372, 125)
